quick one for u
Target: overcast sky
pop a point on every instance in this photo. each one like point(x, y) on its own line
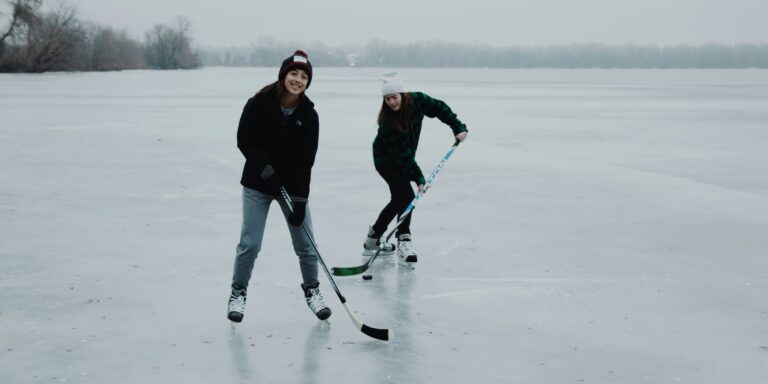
point(497, 22)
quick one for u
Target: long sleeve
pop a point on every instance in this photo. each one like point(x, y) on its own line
point(309, 152)
point(437, 108)
point(247, 137)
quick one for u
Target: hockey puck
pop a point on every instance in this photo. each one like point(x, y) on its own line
point(367, 277)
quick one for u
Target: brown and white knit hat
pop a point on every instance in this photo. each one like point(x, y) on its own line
point(299, 60)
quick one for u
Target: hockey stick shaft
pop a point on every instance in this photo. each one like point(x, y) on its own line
point(376, 333)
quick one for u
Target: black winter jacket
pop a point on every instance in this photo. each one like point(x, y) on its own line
point(289, 144)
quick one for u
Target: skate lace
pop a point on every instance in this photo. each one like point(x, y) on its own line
point(406, 248)
point(387, 247)
point(315, 300)
point(237, 303)
point(384, 246)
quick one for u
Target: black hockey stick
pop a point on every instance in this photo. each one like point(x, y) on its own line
point(376, 333)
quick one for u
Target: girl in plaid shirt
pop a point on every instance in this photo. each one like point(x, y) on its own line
point(394, 156)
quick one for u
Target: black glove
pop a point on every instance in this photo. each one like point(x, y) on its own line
point(267, 172)
point(270, 177)
point(297, 216)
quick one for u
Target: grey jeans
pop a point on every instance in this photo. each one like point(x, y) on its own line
point(255, 208)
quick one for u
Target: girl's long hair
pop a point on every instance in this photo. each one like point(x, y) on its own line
point(400, 119)
point(277, 84)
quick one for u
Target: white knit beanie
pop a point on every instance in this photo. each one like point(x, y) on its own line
point(391, 83)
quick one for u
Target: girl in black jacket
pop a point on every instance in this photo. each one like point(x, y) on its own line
point(278, 136)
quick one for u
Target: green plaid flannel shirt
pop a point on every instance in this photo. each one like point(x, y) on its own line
point(399, 148)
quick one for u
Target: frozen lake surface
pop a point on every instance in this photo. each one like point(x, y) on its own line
point(598, 226)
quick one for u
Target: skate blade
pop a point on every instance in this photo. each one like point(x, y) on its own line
point(405, 264)
point(382, 253)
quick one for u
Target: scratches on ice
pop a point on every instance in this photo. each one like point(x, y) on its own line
point(508, 288)
point(530, 280)
point(462, 293)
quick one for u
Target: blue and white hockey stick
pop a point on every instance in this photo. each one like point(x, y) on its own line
point(348, 271)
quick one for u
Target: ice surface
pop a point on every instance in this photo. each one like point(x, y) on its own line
point(598, 226)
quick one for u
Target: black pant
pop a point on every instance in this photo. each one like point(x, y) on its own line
point(401, 194)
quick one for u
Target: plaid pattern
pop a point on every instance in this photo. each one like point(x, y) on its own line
point(399, 148)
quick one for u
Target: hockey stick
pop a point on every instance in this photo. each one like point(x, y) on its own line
point(376, 333)
point(348, 271)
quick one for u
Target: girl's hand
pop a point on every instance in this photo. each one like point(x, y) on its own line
point(461, 136)
point(422, 188)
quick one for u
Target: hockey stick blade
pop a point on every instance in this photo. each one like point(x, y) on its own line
point(349, 271)
point(376, 333)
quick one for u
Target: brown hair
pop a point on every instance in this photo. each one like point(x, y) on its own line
point(277, 84)
point(400, 119)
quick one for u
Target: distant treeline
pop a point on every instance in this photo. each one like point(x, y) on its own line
point(33, 39)
point(269, 52)
point(378, 53)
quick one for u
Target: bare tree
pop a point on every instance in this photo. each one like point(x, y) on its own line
point(22, 12)
point(106, 54)
point(22, 15)
point(115, 50)
point(169, 47)
point(34, 38)
point(58, 42)
point(33, 41)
